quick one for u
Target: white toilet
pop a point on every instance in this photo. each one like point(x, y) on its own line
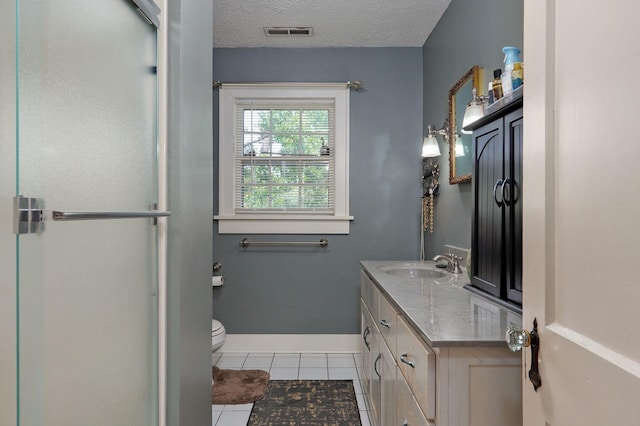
point(218, 335)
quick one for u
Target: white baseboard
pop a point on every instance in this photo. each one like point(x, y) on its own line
point(292, 343)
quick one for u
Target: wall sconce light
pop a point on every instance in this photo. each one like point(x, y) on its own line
point(430, 147)
point(474, 111)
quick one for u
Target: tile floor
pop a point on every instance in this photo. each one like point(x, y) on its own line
point(283, 366)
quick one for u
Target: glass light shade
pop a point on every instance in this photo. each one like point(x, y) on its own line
point(430, 147)
point(473, 112)
point(459, 147)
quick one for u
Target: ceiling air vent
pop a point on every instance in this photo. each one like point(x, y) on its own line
point(288, 31)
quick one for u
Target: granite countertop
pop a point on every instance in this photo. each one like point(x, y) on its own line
point(441, 310)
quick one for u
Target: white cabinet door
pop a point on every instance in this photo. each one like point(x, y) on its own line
point(365, 376)
point(370, 362)
point(376, 376)
point(388, 371)
point(581, 234)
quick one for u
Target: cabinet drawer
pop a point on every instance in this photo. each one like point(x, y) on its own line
point(408, 411)
point(418, 365)
point(369, 294)
point(387, 323)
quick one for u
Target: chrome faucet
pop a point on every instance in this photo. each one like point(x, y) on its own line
point(453, 262)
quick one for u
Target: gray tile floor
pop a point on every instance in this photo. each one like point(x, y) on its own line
point(283, 366)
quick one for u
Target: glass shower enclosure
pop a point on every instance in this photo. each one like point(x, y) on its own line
point(86, 143)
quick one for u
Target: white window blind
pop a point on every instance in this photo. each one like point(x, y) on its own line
point(285, 157)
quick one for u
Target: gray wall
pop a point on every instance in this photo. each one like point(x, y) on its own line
point(190, 201)
point(471, 32)
point(314, 290)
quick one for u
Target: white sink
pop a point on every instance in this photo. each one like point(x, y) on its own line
point(412, 270)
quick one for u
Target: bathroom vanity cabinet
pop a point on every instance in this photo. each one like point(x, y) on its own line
point(496, 242)
point(387, 390)
point(410, 379)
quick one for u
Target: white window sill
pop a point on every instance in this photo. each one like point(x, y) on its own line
point(268, 224)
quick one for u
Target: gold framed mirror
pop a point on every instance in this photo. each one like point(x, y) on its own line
point(460, 160)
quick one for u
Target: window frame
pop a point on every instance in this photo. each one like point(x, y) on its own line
point(230, 222)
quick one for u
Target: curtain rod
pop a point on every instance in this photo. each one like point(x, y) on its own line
point(355, 85)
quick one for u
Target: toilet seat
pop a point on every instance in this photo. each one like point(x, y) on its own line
point(215, 326)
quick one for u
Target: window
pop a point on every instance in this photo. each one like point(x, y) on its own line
point(283, 156)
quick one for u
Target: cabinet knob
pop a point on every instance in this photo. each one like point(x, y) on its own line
point(517, 339)
point(506, 182)
point(375, 365)
point(500, 183)
point(366, 333)
point(403, 358)
point(385, 323)
point(513, 192)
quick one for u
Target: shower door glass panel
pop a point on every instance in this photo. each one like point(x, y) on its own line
point(86, 141)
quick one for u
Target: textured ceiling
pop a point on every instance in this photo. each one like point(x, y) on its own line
point(336, 23)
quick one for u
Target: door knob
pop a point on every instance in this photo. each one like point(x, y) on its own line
point(518, 338)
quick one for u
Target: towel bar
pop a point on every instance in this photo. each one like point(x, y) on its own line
point(246, 243)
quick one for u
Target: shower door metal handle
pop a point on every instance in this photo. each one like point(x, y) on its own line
point(29, 215)
point(67, 216)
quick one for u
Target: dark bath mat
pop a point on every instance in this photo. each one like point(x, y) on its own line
point(238, 386)
point(308, 403)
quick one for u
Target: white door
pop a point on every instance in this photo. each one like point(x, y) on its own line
point(581, 215)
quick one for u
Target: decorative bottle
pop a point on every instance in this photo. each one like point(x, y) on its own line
point(490, 93)
point(511, 57)
point(517, 75)
point(496, 85)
